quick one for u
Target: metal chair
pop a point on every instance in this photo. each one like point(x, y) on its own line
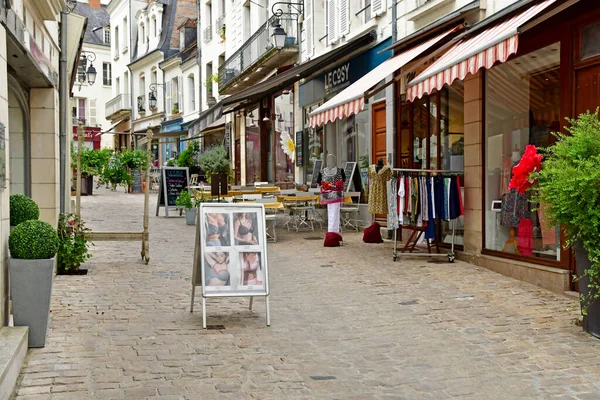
point(349, 213)
point(320, 213)
point(194, 180)
point(302, 214)
point(270, 219)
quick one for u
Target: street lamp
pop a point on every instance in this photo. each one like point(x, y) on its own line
point(279, 36)
point(152, 100)
point(90, 73)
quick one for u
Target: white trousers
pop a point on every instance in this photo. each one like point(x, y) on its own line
point(333, 217)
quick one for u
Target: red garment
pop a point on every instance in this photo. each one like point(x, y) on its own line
point(332, 239)
point(372, 234)
point(525, 237)
point(460, 200)
point(406, 194)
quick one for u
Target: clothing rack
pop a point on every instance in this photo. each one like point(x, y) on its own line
point(450, 255)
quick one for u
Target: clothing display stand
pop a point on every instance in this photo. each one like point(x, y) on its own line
point(410, 247)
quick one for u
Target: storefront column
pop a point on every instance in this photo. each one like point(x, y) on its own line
point(473, 163)
point(4, 193)
point(242, 124)
point(45, 174)
point(298, 116)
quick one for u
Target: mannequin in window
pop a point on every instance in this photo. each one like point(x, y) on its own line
point(331, 180)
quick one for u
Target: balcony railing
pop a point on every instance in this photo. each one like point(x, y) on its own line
point(207, 34)
point(260, 43)
point(120, 103)
point(220, 24)
point(141, 103)
point(77, 120)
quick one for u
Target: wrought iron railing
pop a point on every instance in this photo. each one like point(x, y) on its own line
point(260, 43)
point(219, 25)
point(207, 34)
point(120, 103)
point(141, 103)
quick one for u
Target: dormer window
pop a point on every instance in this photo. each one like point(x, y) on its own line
point(182, 39)
point(107, 35)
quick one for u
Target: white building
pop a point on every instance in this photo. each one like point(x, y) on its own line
point(87, 103)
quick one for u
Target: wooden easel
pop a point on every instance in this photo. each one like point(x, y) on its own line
point(118, 236)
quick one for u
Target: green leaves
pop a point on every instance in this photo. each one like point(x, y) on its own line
point(22, 208)
point(120, 165)
point(33, 240)
point(184, 200)
point(187, 156)
point(214, 161)
point(73, 244)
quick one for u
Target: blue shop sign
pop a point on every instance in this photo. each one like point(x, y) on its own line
point(173, 125)
point(343, 75)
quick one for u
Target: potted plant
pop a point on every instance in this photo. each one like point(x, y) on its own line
point(222, 34)
point(184, 202)
point(568, 191)
point(214, 161)
point(73, 245)
point(33, 245)
point(22, 208)
point(93, 162)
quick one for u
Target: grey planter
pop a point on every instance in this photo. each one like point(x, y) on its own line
point(190, 216)
point(31, 290)
point(591, 322)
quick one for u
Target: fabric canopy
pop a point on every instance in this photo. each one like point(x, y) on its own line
point(352, 99)
point(495, 44)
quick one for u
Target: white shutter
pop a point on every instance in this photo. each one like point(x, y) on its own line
point(180, 93)
point(378, 7)
point(92, 112)
point(344, 17)
point(168, 102)
point(309, 28)
point(332, 22)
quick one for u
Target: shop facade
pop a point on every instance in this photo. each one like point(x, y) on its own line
point(478, 113)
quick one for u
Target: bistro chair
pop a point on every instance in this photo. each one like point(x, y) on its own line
point(350, 212)
point(302, 214)
point(270, 219)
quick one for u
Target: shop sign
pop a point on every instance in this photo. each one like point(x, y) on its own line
point(337, 79)
point(299, 149)
point(227, 138)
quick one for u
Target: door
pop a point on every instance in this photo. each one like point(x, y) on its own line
point(378, 149)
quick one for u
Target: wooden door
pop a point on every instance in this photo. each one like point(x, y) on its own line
point(587, 89)
point(378, 149)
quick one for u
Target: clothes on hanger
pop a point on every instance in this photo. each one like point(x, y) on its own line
point(392, 217)
point(332, 185)
point(378, 189)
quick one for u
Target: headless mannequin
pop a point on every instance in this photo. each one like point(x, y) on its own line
point(379, 165)
point(329, 174)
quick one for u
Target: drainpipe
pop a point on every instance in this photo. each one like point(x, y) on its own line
point(130, 52)
point(391, 109)
point(199, 55)
point(63, 99)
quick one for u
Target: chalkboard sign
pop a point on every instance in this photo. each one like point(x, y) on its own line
point(227, 138)
point(136, 186)
point(172, 181)
point(299, 148)
point(315, 174)
point(349, 172)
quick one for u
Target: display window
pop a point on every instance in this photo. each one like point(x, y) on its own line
point(522, 106)
point(283, 130)
point(252, 146)
point(314, 144)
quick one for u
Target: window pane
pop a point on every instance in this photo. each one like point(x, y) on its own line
point(252, 147)
point(522, 107)
point(420, 117)
point(284, 138)
point(590, 40)
point(314, 145)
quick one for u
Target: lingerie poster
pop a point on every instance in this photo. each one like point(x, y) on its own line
point(233, 250)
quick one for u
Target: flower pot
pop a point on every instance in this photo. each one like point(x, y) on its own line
point(190, 216)
point(591, 322)
point(89, 182)
point(30, 291)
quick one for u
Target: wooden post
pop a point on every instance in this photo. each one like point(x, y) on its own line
point(80, 138)
point(145, 239)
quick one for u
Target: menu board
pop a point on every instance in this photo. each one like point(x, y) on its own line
point(136, 186)
point(172, 181)
point(315, 174)
point(349, 172)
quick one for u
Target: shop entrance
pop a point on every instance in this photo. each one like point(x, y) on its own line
point(587, 89)
point(378, 132)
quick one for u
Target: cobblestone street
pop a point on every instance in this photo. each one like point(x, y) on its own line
point(347, 323)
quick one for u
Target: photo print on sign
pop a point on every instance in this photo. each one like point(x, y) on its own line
point(217, 230)
point(216, 269)
point(245, 229)
point(252, 270)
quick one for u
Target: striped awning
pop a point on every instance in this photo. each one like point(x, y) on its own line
point(352, 99)
point(495, 44)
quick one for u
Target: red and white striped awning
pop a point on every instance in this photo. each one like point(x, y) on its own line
point(352, 99)
point(483, 50)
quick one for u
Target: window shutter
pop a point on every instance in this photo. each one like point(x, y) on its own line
point(344, 17)
point(332, 22)
point(168, 99)
point(378, 7)
point(92, 112)
point(309, 28)
point(180, 93)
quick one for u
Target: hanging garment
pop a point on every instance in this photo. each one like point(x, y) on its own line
point(401, 197)
point(392, 217)
point(525, 237)
point(430, 230)
point(424, 199)
point(514, 208)
point(432, 198)
point(406, 194)
point(332, 185)
point(377, 189)
point(455, 207)
point(439, 197)
point(333, 217)
point(460, 196)
point(446, 199)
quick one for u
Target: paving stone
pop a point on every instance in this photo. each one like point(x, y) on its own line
point(381, 329)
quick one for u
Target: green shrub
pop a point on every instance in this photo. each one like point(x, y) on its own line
point(33, 240)
point(73, 244)
point(22, 209)
point(187, 156)
point(184, 200)
point(214, 161)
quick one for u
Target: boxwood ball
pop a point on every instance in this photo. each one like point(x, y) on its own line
point(33, 240)
point(22, 209)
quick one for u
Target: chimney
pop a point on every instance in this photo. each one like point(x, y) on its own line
point(94, 3)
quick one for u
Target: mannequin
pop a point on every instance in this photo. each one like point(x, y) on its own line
point(332, 179)
point(379, 165)
point(379, 174)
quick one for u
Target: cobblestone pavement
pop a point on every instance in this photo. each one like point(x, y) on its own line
point(347, 323)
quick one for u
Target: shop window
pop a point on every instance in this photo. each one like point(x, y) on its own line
point(590, 40)
point(283, 127)
point(522, 104)
point(314, 148)
point(252, 147)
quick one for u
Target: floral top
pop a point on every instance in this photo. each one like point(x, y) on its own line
point(332, 185)
point(377, 189)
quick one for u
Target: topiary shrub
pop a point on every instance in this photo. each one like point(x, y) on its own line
point(33, 240)
point(22, 209)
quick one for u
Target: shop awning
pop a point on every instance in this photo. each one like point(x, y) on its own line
point(492, 45)
point(352, 99)
point(292, 75)
point(206, 118)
